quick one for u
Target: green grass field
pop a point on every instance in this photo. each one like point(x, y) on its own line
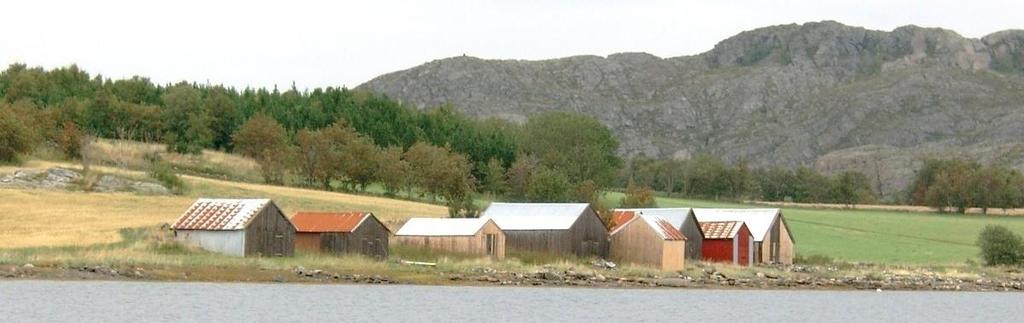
point(876, 236)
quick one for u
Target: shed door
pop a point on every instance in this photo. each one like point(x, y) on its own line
point(368, 247)
point(490, 244)
point(278, 245)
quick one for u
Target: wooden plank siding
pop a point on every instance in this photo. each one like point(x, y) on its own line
point(694, 236)
point(370, 239)
point(270, 234)
point(777, 246)
point(637, 243)
point(737, 250)
point(471, 245)
point(307, 241)
point(585, 238)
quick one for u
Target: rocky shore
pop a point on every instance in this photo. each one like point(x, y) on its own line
point(701, 276)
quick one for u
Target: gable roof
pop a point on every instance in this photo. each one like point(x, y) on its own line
point(619, 218)
point(220, 214)
point(535, 216)
point(441, 227)
point(677, 216)
point(758, 221)
point(721, 229)
point(657, 222)
point(313, 222)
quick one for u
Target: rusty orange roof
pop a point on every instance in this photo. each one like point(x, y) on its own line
point(619, 218)
point(328, 222)
point(670, 232)
point(219, 214)
point(721, 229)
point(658, 223)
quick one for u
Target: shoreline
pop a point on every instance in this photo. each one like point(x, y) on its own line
point(486, 277)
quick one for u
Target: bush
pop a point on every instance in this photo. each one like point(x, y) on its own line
point(16, 137)
point(1000, 246)
point(162, 172)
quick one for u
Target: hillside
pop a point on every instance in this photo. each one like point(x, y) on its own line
point(818, 94)
point(40, 218)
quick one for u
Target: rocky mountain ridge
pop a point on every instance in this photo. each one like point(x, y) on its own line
point(824, 94)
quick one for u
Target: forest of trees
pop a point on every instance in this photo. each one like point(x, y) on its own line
point(330, 138)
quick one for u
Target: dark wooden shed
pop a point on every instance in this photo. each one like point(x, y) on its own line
point(560, 229)
point(341, 233)
point(239, 227)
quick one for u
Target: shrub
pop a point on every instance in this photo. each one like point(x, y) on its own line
point(70, 140)
point(16, 137)
point(163, 173)
point(1000, 246)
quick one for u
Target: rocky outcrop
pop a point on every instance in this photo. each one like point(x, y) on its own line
point(784, 95)
point(67, 179)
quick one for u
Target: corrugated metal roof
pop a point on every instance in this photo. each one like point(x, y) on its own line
point(721, 229)
point(620, 217)
point(219, 214)
point(328, 222)
point(758, 221)
point(675, 216)
point(534, 216)
point(441, 227)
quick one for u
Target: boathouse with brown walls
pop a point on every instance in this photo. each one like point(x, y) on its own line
point(646, 239)
point(238, 227)
point(458, 236)
point(728, 241)
point(773, 242)
point(341, 233)
point(682, 219)
point(555, 229)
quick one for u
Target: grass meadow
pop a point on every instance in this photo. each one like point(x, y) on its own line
point(891, 237)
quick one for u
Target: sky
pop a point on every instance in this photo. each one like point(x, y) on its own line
point(345, 43)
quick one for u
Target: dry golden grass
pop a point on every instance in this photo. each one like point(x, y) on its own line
point(53, 218)
point(126, 152)
point(37, 218)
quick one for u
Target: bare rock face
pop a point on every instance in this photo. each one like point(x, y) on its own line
point(66, 179)
point(784, 95)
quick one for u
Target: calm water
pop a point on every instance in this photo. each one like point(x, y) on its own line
point(49, 301)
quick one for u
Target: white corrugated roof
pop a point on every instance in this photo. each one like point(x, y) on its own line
point(441, 227)
point(534, 216)
point(758, 220)
point(675, 216)
point(219, 214)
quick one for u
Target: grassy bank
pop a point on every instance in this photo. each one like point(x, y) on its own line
point(890, 237)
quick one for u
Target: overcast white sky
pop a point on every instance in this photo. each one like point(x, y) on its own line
point(320, 43)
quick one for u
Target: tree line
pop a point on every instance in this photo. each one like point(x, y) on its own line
point(957, 184)
point(706, 176)
point(330, 138)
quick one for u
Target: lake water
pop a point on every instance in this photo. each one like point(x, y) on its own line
point(58, 301)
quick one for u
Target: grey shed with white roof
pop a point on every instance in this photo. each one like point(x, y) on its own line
point(561, 229)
